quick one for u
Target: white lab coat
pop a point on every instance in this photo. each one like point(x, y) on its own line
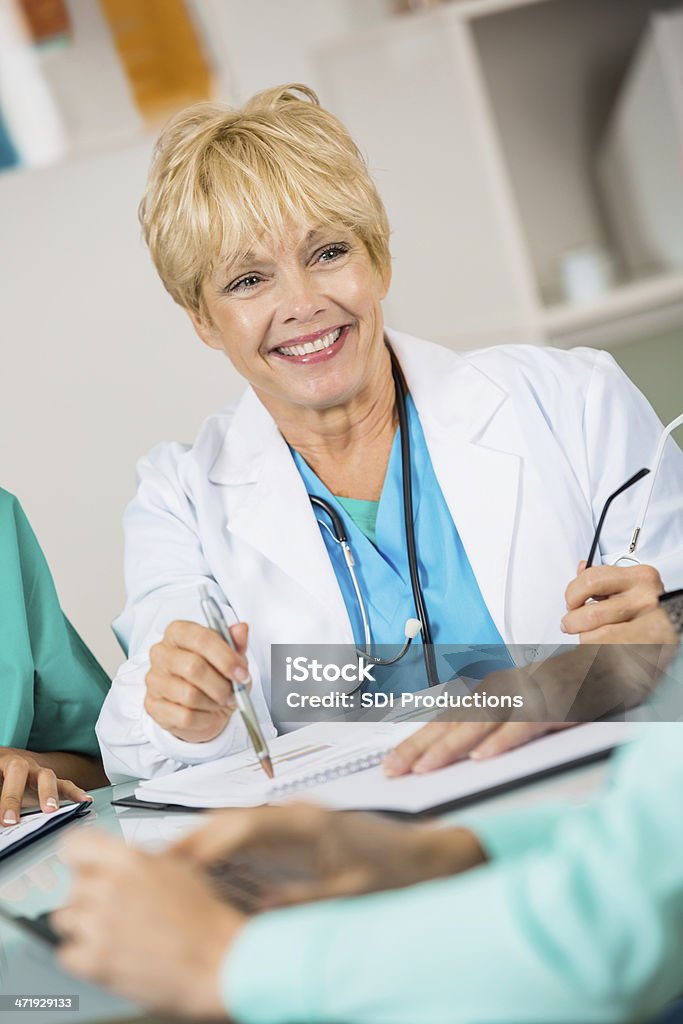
point(526, 444)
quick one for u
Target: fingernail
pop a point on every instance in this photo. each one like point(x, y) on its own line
point(478, 754)
point(52, 803)
point(423, 765)
point(562, 627)
point(231, 703)
point(10, 818)
point(240, 674)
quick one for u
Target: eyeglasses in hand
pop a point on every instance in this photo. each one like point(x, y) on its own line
point(628, 557)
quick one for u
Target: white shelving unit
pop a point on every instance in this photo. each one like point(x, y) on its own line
point(481, 120)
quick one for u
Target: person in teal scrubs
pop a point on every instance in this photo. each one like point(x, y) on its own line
point(553, 914)
point(52, 686)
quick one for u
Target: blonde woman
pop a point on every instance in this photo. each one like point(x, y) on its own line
point(266, 227)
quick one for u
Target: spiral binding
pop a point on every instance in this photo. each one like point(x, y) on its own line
point(357, 764)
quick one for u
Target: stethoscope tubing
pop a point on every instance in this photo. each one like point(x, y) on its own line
point(407, 474)
point(338, 533)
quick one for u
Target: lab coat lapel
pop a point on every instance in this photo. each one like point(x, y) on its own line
point(267, 507)
point(481, 488)
point(480, 484)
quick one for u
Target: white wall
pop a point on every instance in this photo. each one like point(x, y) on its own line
point(97, 363)
point(267, 42)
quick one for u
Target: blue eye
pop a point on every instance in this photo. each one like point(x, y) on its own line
point(243, 283)
point(332, 252)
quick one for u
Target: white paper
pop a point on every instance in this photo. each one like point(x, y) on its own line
point(11, 834)
point(239, 780)
point(414, 793)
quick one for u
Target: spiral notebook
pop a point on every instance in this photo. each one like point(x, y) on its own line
point(302, 760)
point(338, 765)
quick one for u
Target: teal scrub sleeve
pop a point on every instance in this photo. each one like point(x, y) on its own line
point(587, 927)
point(54, 685)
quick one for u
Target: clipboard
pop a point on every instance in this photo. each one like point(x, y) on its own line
point(502, 787)
point(51, 823)
point(456, 786)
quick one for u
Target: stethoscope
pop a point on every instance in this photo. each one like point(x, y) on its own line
point(414, 625)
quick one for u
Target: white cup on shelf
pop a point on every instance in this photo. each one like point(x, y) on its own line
point(586, 273)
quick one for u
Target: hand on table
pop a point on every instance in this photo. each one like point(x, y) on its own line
point(581, 684)
point(618, 595)
point(150, 928)
point(442, 743)
point(188, 683)
point(323, 854)
point(24, 783)
point(146, 926)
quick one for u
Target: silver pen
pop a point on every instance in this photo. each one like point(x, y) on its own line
point(216, 622)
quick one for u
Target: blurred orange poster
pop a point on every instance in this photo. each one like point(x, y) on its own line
point(161, 54)
point(47, 20)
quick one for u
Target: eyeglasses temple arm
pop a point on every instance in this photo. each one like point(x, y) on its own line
point(605, 509)
point(642, 512)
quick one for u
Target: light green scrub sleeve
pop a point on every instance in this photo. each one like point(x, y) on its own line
point(52, 686)
point(516, 832)
point(586, 927)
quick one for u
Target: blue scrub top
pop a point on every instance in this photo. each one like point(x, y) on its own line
point(458, 615)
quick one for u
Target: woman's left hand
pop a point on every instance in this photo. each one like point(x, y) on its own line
point(618, 594)
point(146, 926)
point(439, 744)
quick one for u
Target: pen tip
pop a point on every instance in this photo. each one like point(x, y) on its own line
point(267, 766)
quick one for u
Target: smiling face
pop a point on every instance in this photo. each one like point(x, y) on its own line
point(300, 319)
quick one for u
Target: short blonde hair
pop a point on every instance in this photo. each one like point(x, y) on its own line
point(221, 178)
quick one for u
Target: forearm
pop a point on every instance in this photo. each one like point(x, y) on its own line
point(441, 852)
point(86, 772)
point(592, 680)
point(541, 938)
point(587, 927)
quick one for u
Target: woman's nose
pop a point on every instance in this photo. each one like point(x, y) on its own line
point(300, 299)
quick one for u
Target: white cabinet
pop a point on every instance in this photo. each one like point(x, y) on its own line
point(481, 120)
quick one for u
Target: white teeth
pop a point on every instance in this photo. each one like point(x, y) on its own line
point(311, 346)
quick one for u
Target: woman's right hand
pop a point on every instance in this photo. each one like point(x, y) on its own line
point(25, 782)
point(188, 688)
